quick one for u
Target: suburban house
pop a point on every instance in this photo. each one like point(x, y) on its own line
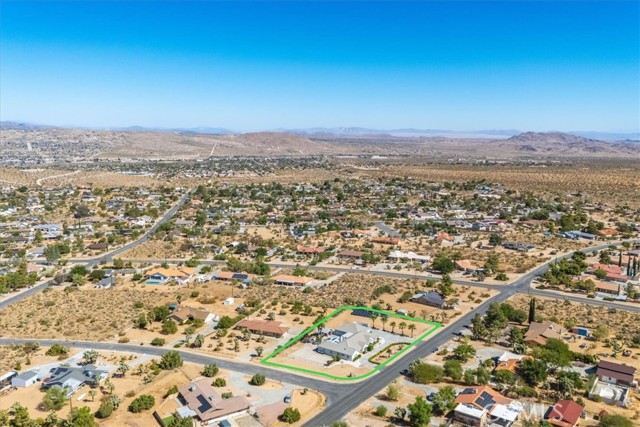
point(385, 240)
point(480, 406)
point(162, 275)
point(466, 266)
point(408, 256)
point(270, 328)
point(520, 247)
point(285, 279)
point(202, 402)
point(616, 373)
point(349, 254)
point(309, 250)
point(614, 383)
point(185, 313)
point(431, 298)
point(24, 379)
point(230, 275)
point(74, 378)
point(539, 333)
point(564, 413)
point(347, 341)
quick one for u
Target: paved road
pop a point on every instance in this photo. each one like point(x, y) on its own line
point(333, 391)
point(91, 262)
point(345, 397)
point(384, 227)
point(337, 269)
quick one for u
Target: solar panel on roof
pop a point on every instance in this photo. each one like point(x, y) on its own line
point(485, 400)
point(240, 276)
point(224, 423)
point(204, 404)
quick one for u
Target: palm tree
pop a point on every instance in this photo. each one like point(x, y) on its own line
point(373, 320)
point(412, 328)
point(384, 320)
point(402, 326)
point(92, 394)
point(393, 326)
point(424, 314)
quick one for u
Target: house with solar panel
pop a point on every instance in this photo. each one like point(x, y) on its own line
point(73, 378)
point(483, 406)
point(228, 276)
point(347, 341)
point(201, 401)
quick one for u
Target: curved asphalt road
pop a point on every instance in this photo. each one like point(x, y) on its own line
point(91, 262)
point(341, 397)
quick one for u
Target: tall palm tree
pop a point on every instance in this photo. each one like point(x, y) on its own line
point(384, 320)
point(373, 320)
point(412, 328)
point(402, 327)
point(393, 327)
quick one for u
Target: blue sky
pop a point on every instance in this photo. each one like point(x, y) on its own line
point(264, 65)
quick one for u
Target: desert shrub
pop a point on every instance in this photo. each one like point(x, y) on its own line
point(141, 403)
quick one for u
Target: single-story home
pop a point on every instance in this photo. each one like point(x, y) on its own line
point(269, 328)
point(185, 313)
point(162, 275)
point(349, 254)
point(539, 333)
point(230, 275)
point(616, 373)
point(431, 298)
point(466, 265)
point(205, 405)
point(564, 413)
point(285, 279)
point(409, 256)
point(73, 378)
point(347, 341)
point(479, 406)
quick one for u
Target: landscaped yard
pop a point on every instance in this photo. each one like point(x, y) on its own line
point(400, 331)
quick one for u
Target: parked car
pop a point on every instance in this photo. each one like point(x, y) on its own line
point(287, 398)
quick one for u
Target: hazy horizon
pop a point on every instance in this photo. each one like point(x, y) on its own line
point(255, 66)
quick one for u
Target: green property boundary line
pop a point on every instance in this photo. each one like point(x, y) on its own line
point(296, 339)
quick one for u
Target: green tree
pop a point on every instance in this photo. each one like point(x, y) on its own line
point(105, 410)
point(81, 417)
point(419, 412)
point(446, 286)
point(210, 371)
point(380, 411)
point(52, 253)
point(169, 327)
point(141, 403)
point(180, 422)
point(290, 415)
point(424, 373)
point(258, 379)
point(170, 360)
point(444, 400)
point(533, 371)
point(453, 369)
point(532, 310)
point(392, 392)
point(464, 352)
point(615, 421)
point(443, 263)
point(20, 416)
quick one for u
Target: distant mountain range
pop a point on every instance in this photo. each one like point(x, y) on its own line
point(353, 132)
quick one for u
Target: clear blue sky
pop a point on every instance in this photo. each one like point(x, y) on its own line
point(261, 65)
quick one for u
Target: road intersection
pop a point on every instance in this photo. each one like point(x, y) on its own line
point(341, 397)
